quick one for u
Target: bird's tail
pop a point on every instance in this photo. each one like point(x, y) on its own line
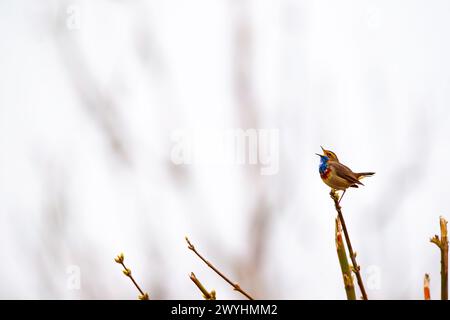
point(361, 175)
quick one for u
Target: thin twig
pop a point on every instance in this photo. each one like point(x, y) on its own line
point(234, 285)
point(442, 244)
point(206, 295)
point(356, 267)
point(343, 262)
point(426, 287)
point(126, 271)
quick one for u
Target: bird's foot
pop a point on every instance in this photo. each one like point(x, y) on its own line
point(334, 195)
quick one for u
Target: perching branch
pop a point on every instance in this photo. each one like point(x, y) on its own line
point(206, 295)
point(442, 244)
point(119, 259)
point(426, 287)
point(356, 267)
point(345, 268)
point(234, 285)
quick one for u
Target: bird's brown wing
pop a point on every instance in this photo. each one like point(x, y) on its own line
point(344, 172)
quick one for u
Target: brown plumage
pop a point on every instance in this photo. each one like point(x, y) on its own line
point(342, 177)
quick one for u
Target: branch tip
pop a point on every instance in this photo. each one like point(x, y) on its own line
point(205, 294)
point(127, 272)
point(426, 287)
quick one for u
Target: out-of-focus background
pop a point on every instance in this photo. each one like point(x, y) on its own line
point(93, 93)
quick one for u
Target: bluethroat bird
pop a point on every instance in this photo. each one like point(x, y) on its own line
point(338, 176)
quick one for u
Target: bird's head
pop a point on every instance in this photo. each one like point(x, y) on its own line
point(330, 155)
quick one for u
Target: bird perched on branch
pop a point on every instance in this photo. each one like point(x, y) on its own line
point(338, 176)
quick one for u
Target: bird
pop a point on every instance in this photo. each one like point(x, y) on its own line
point(338, 176)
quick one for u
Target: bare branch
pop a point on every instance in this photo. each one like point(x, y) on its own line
point(442, 244)
point(126, 271)
point(234, 285)
point(356, 267)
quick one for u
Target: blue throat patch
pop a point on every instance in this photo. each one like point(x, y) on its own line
point(323, 164)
